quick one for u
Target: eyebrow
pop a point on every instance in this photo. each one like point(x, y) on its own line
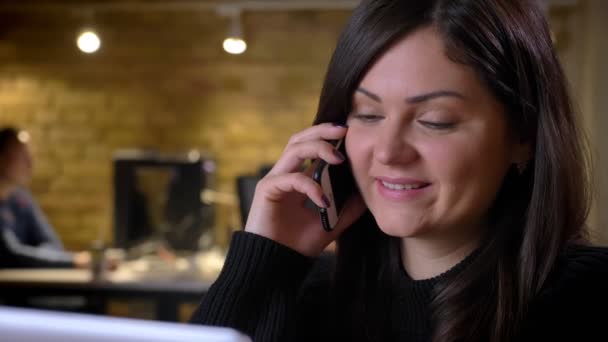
point(417, 98)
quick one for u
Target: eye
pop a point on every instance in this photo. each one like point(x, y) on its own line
point(437, 125)
point(367, 118)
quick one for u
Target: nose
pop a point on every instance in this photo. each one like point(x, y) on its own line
point(394, 146)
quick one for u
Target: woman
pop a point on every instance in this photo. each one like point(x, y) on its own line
point(462, 141)
point(26, 237)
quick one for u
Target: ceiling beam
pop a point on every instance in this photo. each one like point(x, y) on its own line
point(182, 5)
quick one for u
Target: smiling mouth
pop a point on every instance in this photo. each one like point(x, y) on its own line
point(402, 187)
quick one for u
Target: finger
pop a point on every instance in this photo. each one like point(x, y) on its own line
point(324, 131)
point(277, 187)
point(295, 154)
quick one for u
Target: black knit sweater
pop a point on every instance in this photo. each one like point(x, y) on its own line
point(273, 293)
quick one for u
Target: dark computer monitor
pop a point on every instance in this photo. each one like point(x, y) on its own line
point(158, 198)
point(245, 188)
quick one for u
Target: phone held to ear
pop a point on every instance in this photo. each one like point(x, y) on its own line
point(338, 185)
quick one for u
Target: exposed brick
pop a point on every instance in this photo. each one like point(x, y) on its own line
point(160, 81)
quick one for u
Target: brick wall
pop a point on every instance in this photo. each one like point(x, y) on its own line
point(162, 81)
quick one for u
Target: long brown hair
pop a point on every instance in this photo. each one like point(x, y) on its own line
point(535, 214)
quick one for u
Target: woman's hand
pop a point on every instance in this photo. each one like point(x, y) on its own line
point(278, 210)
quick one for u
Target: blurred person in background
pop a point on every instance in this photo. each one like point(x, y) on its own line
point(26, 237)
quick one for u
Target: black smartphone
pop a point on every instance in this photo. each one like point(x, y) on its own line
point(338, 185)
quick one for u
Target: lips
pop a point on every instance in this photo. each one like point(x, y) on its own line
point(402, 183)
point(410, 186)
point(401, 188)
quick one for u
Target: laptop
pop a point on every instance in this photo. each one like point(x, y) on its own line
point(29, 325)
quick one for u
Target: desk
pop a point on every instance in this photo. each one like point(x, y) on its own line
point(167, 289)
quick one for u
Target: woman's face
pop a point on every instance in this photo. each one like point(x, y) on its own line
point(16, 165)
point(428, 143)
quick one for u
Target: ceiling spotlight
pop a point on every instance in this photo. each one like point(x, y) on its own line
point(234, 43)
point(88, 41)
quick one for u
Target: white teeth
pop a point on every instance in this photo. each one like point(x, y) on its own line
point(402, 186)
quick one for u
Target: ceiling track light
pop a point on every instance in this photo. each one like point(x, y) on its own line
point(88, 40)
point(234, 43)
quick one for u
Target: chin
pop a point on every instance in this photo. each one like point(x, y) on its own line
point(399, 229)
point(400, 222)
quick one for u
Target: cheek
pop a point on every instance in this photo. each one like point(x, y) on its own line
point(358, 149)
point(447, 160)
point(469, 165)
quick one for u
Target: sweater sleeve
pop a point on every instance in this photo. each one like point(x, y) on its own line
point(16, 254)
point(40, 248)
point(40, 229)
point(256, 290)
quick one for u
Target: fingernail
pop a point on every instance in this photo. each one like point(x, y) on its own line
point(339, 155)
point(340, 124)
point(326, 201)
